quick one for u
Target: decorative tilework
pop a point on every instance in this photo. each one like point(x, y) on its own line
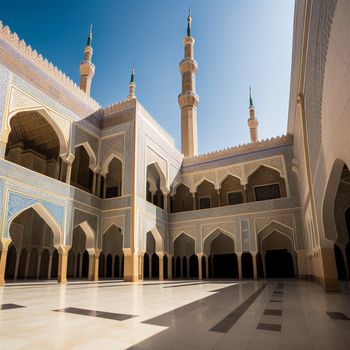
point(18, 202)
point(245, 236)
point(1, 201)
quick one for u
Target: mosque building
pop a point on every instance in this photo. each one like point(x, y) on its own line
point(102, 192)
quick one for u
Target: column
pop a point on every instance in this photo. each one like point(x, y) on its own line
point(194, 201)
point(91, 272)
point(207, 267)
point(105, 268)
point(16, 266)
point(69, 173)
point(96, 264)
point(170, 266)
point(244, 194)
point(150, 266)
point(98, 190)
point(141, 265)
point(130, 265)
point(38, 267)
point(165, 201)
point(188, 266)
point(94, 184)
point(255, 269)
point(27, 266)
point(5, 242)
point(113, 261)
point(80, 265)
point(104, 187)
point(219, 199)
point(50, 267)
point(239, 259)
point(181, 269)
point(161, 266)
point(62, 264)
point(199, 256)
point(346, 264)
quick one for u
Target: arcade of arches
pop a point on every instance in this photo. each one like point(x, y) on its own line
point(264, 184)
point(34, 144)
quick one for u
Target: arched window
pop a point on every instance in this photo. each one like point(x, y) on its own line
point(114, 179)
point(82, 175)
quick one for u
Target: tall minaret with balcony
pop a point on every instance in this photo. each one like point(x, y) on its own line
point(188, 99)
point(252, 121)
point(132, 84)
point(87, 68)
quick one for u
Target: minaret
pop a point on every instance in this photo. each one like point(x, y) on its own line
point(132, 84)
point(252, 121)
point(87, 68)
point(188, 99)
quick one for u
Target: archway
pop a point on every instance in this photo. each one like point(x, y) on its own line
point(35, 144)
point(247, 265)
point(113, 180)
point(277, 249)
point(231, 191)
point(155, 185)
point(206, 195)
point(193, 266)
point(34, 234)
point(112, 247)
point(151, 259)
point(184, 247)
point(182, 199)
point(220, 248)
point(265, 183)
point(82, 176)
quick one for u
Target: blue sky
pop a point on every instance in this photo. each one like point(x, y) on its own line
point(238, 43)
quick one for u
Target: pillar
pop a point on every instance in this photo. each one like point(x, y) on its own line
point(165, 201)
point(244, 194)
point(69, 173)
point(207, 267)
point(141, 265)
point(263, 255)
point(130, 265)
point(96, 264)
point(94, 179)
point(181, 269)
point(345, 262)
point(80, 265)
point(255, 269)
point(104, 187)
point(27, 266)
point(199, 256)
point(218, 196)
point(91, 273)
point(170, 266)
point(194, 201)
point(38, 267)
point(62, 264)
point(50, 267)
point(98, 189)
point(5, 242)
point(161, 266)
point(239, 259)
point(17, 266)
point(188, 266)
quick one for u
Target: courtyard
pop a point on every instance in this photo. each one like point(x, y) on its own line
point(179, 314)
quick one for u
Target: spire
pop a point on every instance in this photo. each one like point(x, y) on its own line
point(89, 39)
point(252, 121)
point(251, 105)
point(87, 69)
point(132, 84)
point(189, 20)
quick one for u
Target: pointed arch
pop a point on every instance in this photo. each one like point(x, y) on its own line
point(48, 219)
point(262, 165)
point(227, 175)
point(215, 233)
point(181, 233)
point(47, 116)
point(89, 233)
point(110, 226)
point(107, 161)
point(162, 176)
point(91, 153)
point(198, 183)
point(158, 239)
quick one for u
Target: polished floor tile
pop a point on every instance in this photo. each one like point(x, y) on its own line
point(175, 315)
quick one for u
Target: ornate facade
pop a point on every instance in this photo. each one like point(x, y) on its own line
point(93, 192)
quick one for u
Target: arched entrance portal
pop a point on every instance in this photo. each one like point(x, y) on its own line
point(184, 249)
point(32, 253)
point(34, 144)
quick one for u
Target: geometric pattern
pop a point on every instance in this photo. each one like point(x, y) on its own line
point(18, 202)
point(1, 200)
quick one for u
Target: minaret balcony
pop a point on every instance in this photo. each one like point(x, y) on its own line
point(188, 65)
point(188, 99)
point(87, 68)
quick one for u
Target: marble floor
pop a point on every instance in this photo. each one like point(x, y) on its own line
point(276, 314)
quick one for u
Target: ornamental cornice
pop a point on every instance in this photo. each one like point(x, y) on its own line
point(42, 63)
point(240, 149)
point(120, 106)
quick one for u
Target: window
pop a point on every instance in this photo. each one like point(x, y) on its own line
point(234, 198)
point(267, 192)
point(204, 203)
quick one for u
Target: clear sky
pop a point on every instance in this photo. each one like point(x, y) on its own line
point(238, 43)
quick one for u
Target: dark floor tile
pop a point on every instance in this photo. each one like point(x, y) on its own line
point(277, 292)
point(94, 313)
point(10, 306)
point(227, 323)
point(269, 327)
point(273, 312)
point(275, 301)
point(337, 316)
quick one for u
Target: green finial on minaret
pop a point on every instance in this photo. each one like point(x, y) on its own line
point(132, 79)
point(189, 20)
point(89, 37)
point(250, 97)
